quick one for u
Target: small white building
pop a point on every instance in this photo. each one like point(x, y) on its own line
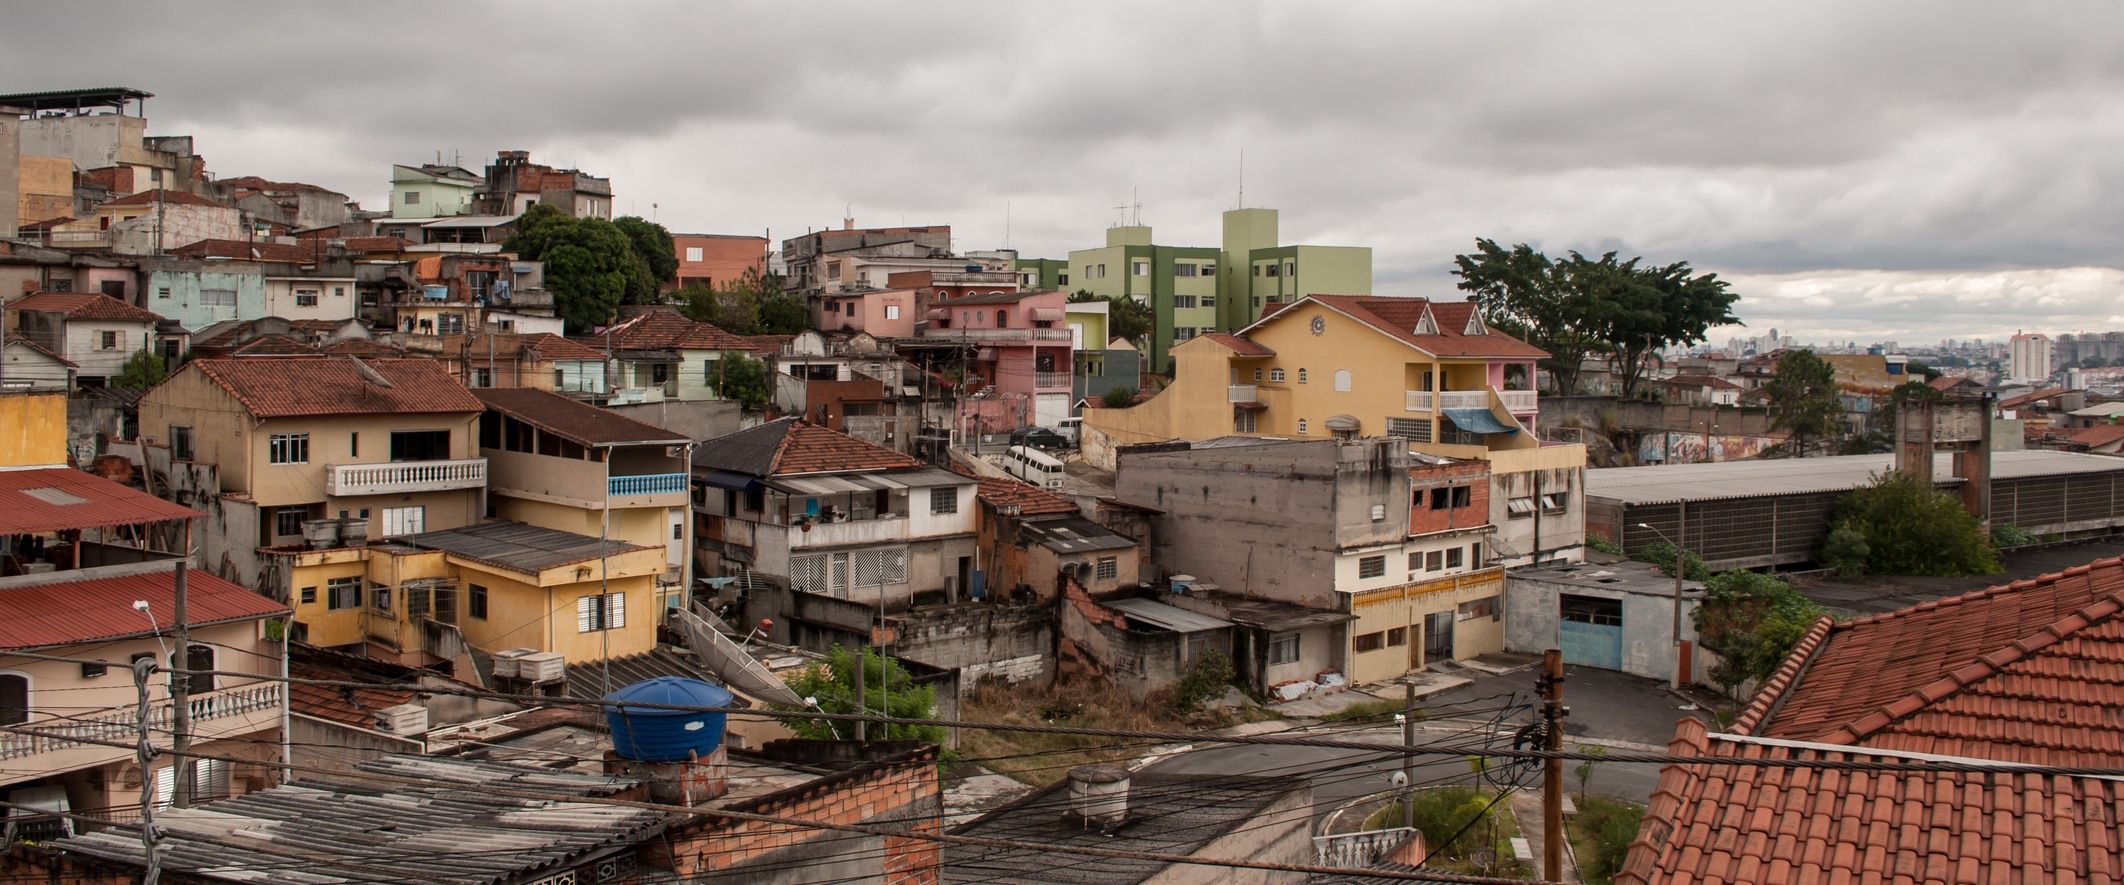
point(97, 333)
point(1612, 616)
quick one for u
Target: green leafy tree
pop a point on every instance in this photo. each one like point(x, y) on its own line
point(1126, 318)
point(1585, 768)
point(1920, 371)
point(589, 263)
point(1803, 398)
point(1118, 397)
point(1661, 553)
point(1206, 680)
point(1650, 309)
point(733, 310)
point(1525, 294)
point(1845, 549)
point(1912, 528)
point(831, 684)
point(1751, 621)
point(141, 371)
point(783, 314)
point(744, 380)
point(655, 259)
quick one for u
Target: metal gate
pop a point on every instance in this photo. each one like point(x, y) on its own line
point(1589, 630)
point(1438, 637)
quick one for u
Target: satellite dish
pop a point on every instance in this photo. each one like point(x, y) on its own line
point(730, 663)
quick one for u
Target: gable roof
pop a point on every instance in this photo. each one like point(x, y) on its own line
point(39, 348)
point(573, 420)
point(84, 306)
point(273, 345)
point(2098, 435)
point(1398, 318)
point(2036, 396)
point(787, 446)
point(1949, 382)
point(362, 347)
point(2026, 672)
point(548, 346)
point(247, 250)
point(665, 329)
point(56, 499)
point(297, 386)
point(1031, 500)
point(151, 197)
point(1238, 345)
point(101, 609)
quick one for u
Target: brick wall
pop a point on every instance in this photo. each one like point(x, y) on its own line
point(1423, 479)
point(897, 792)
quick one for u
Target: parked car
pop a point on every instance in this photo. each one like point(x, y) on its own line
point(1039, 438)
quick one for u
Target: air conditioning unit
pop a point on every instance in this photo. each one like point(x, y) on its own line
point(505, 661)
point(542, 666)
point(404, 719)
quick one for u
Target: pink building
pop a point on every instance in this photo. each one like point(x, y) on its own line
point(716, 260)
point(884, 313)
point(1014, 342)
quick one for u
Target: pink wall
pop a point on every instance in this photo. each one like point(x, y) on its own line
point(886, 314)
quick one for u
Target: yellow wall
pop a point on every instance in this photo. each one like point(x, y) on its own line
point(220, 425)
point(332, 442)
point(44, 189)
point(32, 429)
point(1405, 606)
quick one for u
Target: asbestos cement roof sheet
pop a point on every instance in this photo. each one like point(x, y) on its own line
point(1158, 614)
point(518, 547)
point(1745, 479)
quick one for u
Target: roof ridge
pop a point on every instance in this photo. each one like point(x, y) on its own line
point(1985, 666)
point(1771, 694)
point(781, 444)
point(1994, 590)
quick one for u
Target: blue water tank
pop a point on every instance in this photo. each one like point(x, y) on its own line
point(650, 734)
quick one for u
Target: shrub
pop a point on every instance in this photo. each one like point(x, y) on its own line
point(1845, 550)
point(1662, 554)
point(1603, 545)
point(2010, 535)
point(1913, 528)
point(1118, 397)
point(1751, 621)
point(1206, 679)
point(1605, 830)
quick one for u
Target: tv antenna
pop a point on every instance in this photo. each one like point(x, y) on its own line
point(1242, 180)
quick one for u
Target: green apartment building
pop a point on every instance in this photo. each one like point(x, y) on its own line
point(1043, 273)
point(1197, 289)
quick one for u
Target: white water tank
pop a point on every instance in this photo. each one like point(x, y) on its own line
point(1098, 795)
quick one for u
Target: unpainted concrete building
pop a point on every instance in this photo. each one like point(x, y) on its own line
point(1613, 616)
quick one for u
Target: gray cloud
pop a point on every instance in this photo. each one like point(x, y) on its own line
point(1909, 161)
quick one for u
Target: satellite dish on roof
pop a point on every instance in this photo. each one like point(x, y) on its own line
point(736, 668)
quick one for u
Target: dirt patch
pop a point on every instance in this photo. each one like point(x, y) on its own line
point(1042, 759)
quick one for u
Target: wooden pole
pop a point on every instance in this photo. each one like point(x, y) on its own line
point(1552, 790)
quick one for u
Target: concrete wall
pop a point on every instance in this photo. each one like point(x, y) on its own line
point(174, 291)
point(1531, 473)
point(159, 229)
point(322, 743)
point(1532, 615)
point(10, 171)
point(32, 429)
point(700, 420)
point(46, 187)
point(1096, 643)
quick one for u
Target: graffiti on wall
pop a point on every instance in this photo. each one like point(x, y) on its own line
point(1690, 448)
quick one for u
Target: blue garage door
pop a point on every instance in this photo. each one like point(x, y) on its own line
point(1590, 631)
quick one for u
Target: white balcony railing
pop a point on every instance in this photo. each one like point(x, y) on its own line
point(999, 334)
point(1241, 393)
point(123, 724)
point(1517, 401)
point(1050, 379)
point(1419, 401)
point(404, 476)
point(1424, 400)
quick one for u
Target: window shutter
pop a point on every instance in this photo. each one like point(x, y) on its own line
point(616, 610)
point(585, 614)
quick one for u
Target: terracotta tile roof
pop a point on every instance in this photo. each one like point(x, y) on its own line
point(347, 706)
point(99, 610)
point(1948, 382)
point(1732, 824)
point(151, 197)
point(378, 244)
point(273, 345)
point(2098, 435)
point(25, 342)
point(572, 419)
point(1239, 345)
point(1714, 383)
point(664, 329)
point(1028, 498)
point(256, 183)
point(2029, 672)
point(362, 347)
point(307, 253)
point(548, 347)
point(788, 446)
point(2027, 398)
point(337, 386)
point(84, 306)
point(55, 499)
point(1398, 318)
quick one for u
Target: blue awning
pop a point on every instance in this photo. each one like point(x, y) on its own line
point(1478, 421)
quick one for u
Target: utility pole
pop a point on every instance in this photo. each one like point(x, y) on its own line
point(185, 769)
point(145, 755)
point(1408, 757)
point(1552, 788)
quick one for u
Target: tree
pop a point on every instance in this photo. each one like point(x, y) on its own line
point(1803, 398)
point(1910, 527)
point(589, 263)
point(1126, 318)
point(656, 260)
point(1118, 397)
point(832, 685)
point(743, 380)
point(1920, 371)
point(733, 310)
point(1585, 768)
point(783, 313)
point(1751, 621)
point(1656, 308)
point(141, 371)
point(1523, 293)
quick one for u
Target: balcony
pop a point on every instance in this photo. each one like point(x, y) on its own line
point(1241, 393)
point(1423, 400)
point(342, 480)
point(1051, 379)
point(214, 715)
point(1519, 401)
point(1005, 335)
point(650, 484)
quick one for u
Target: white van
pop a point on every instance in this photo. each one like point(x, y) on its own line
point(1033, 466)
point(1071, 429)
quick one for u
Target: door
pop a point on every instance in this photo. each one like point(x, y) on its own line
point(1050, 408)
point(675, 549)
point(1437, 637)
point(837, 574)
point(1589, 631)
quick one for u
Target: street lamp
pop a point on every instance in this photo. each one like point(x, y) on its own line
point(1680, 568)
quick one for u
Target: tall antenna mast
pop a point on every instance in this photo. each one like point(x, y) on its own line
point(1136, 206)
point(1242, 179)
point(1006, 224)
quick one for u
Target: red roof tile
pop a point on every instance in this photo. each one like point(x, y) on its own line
point(1398, 317)
point(150, 198)
point(362, 347)
point(664, 329)
point(246, 250)
point(2098, 435)
point(336, 386)
point(349, 706)
point(547, 346)
point(1030, 500)
point(788, 446)
point(2036, 396)
point(84, 306)
point(55, 499)
point(1239, 345)
point(273, 345)
point(100, 610)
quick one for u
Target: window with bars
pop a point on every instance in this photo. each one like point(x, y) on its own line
point(342, 593)
point(1283, 648)
point(288, 448)
point(606, 612)
point(445, 605)
point(1109, 568)
point(417, 604)
point(1453, 557)
point(1434, 561)
point(1372, 566)
point(943, 500)
point(808, 573)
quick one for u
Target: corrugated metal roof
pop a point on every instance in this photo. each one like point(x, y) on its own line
point(28, 503)
point(101, 609)
point(518, 547)
point(574, 420)
point(1073, 534)
point(1158, 614)
point(1743, 479)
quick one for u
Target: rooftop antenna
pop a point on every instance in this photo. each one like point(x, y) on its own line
point(1242, 179)
point(1006, 224)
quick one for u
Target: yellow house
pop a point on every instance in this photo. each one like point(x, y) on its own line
point(425, 600)
point(32, 429)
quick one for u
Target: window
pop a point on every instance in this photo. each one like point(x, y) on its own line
point(693, 253)
point(288, 448)
point(181, 442)
point(476, 601)
point(1463, 496)
point(446, 604)
point(1183, 270)
point(1415, 561)
point(1109, 568)
point(421, 445)
point(1475, 554)
point(380, 597)
point(594, 613)
point(1273, 270)
point(833, 270)
point(481, 377)
point(1342, 381)
point(416, 604)
point(1398, 636)
point(1370, 642)
point(1519, 508)
point(1301, 427)
point(1275, 376)
point(944, 500)
point(339, 291)
point(1102, 271)
point(14, 699)
point(1453, 555)
point(1283, 648)
point(287, 521)
point(342, 593)
point(309, 595)
point(1378, 512)
point(1209, 301)
point(1184, 301)
point(1209, 270)
point(1452, 435)
point(892, 311)
point(354, 449)
point(1555, 502)
point(1372, 567)
point(217, 297)
point(1434, 561)
point(1411, 429)
point(1257, 374)
point(1301, 376)
point(1243, 421)
point(412, 198)
point(109, 341)
point(305, 299)
point(404, 520)
point(1002, 319)
point(1142, 268)
point(162, 292)
point(1183, 333)
point(449, 324)
point(1485, 607)
point(1441, 498)
point(1290, 269)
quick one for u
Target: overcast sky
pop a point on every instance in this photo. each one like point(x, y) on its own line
point(1878, 170)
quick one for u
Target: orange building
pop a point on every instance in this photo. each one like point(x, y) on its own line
point(716, 260)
